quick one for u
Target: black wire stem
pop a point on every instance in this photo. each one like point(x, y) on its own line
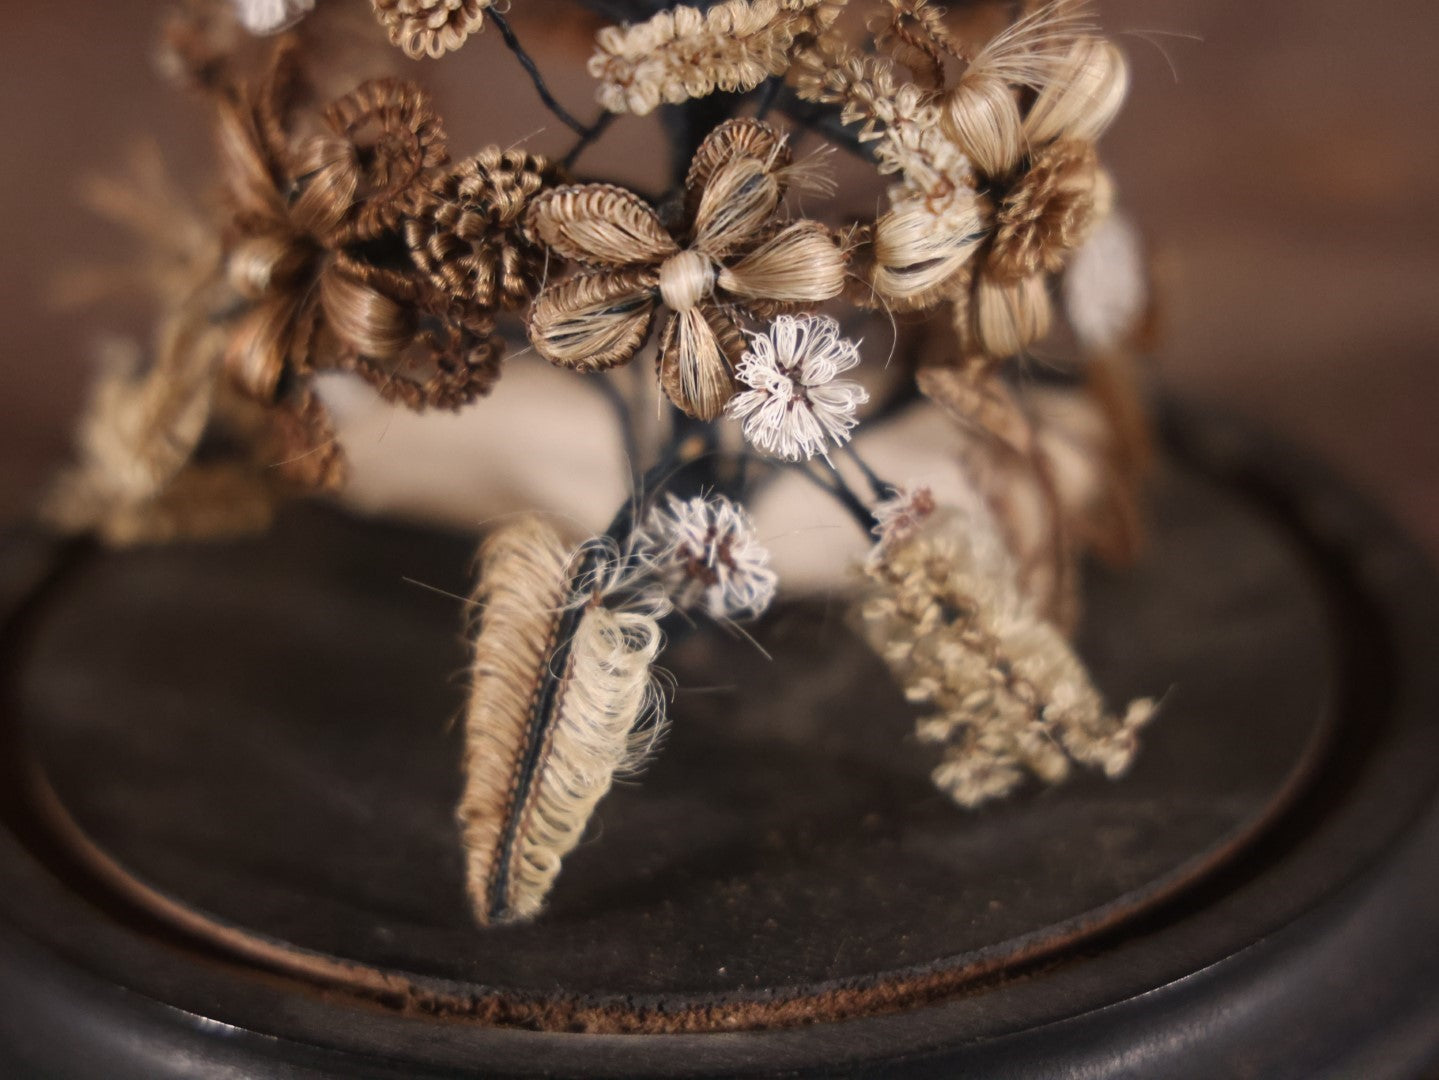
point(528, 63)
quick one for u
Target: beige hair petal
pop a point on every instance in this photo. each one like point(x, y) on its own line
point(1082, 95)
point(249, 185)
point(364, 318)
point(1004, 318)
point(739, 200)
point(803, 263)
point(981, 112)
point(981, 115)
point(917, 253)
point(259, 347)
point(594, 321)
point(698, 353)
point(600, 225)
point(740, 137)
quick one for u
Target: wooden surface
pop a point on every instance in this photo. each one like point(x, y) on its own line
point(263, 731)
point(1306, 949)
point(1287, 179)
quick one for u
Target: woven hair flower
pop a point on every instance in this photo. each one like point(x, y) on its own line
point(731, 254)
point(290, 250)
point(796, 407)
point(430, 27)
point(704, 551)
point(999, 178)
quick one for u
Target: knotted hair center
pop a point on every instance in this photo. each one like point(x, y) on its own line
point(686, 279)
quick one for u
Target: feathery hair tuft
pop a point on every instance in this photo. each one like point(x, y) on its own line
point(561, 689)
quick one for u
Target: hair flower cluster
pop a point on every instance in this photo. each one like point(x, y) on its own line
point(347, 240)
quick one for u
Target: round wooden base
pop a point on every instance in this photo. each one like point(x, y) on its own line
point(228, 837)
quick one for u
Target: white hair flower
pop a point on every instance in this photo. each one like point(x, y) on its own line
point(705, 553)
point(271, 16)
point(795, 406)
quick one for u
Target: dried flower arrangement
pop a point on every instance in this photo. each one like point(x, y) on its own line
point(348, 240)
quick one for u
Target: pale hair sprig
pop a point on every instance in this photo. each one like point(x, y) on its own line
point(685, 53)
point(1004, 693)
point(796, 407)
point(733, 253)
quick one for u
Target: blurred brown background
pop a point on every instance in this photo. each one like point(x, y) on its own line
point(1286, 172)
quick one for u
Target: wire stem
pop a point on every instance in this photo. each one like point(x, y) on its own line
point(589, 135)
point(526, 62)
point(824, 121)
point(839, 487)
point(882, 489)
point(625, 416)
point(768, 95)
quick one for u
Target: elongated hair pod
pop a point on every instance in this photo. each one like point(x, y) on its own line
point(562, 701)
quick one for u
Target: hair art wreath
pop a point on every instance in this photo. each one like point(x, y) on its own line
point(348, 241)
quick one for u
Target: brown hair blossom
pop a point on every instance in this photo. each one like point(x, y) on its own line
point(317, 252)
point(732, 254)
point(466, 231)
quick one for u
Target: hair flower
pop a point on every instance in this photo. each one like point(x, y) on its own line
point(703, 550)
point(795, 406)
point(308, 254)
point(731, 254)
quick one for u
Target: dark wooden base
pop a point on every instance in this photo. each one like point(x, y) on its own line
point(228, 841)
